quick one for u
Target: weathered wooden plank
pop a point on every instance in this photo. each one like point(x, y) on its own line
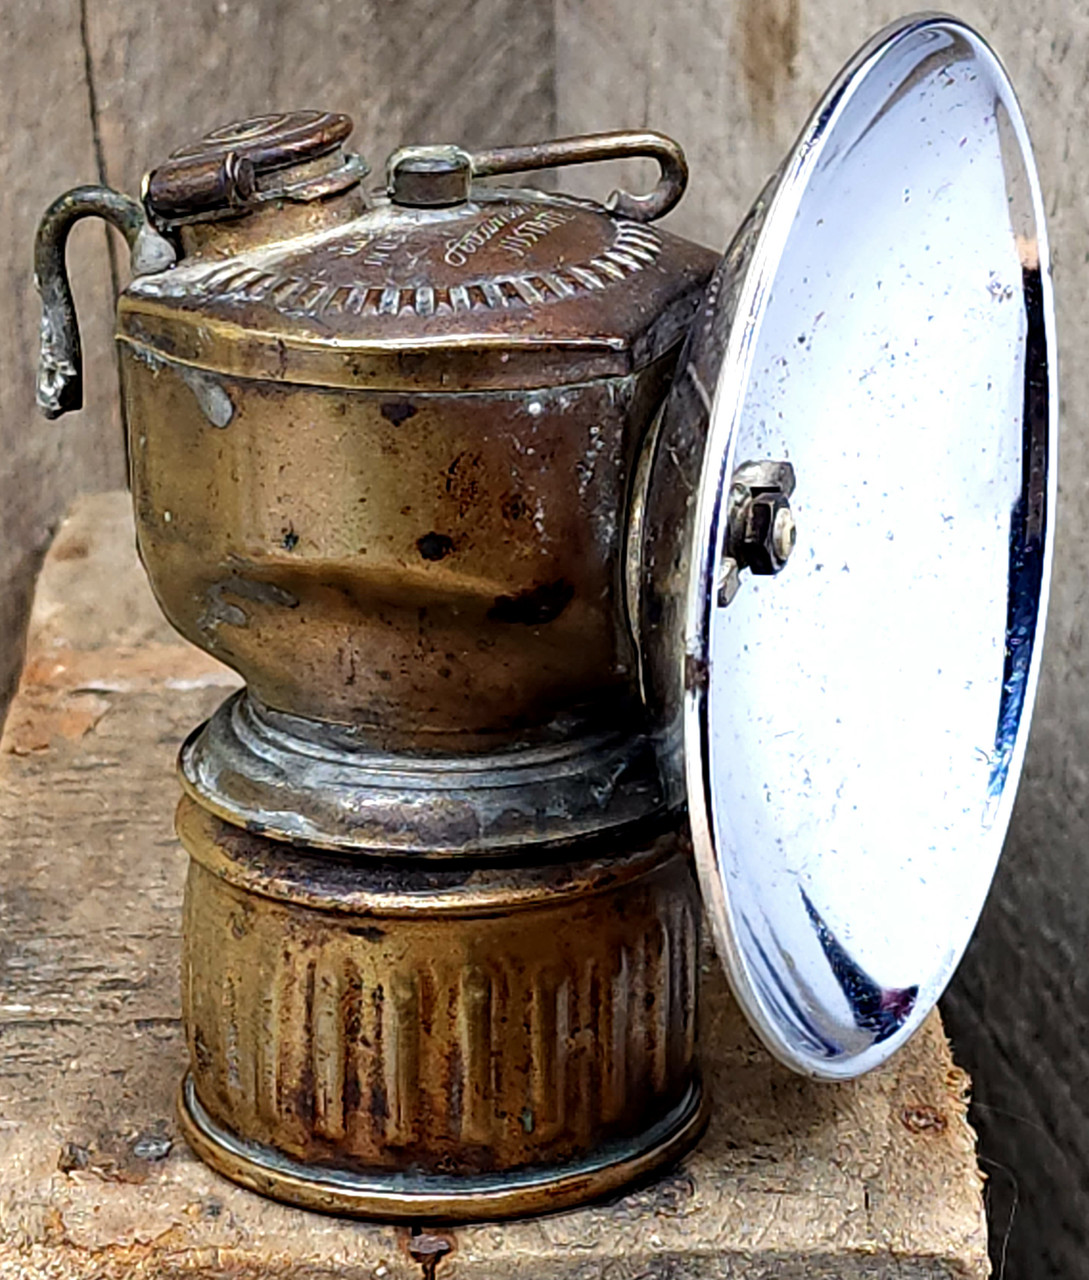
point(48, 147)
point(468, 71)
point(794, 1179)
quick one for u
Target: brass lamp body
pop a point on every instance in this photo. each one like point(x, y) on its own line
point(440, 929)
point(439, 570)
point(431, 1043)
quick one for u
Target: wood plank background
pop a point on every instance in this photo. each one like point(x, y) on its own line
point(99, 89)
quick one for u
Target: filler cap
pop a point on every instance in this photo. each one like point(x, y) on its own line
point(290, 155)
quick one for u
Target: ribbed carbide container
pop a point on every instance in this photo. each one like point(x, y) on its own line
point(504, 1038)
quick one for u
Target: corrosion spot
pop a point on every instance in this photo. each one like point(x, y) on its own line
point(462, 480)
point(201, 1052)
point(535, 607)
point(398, 411)
point(260, 592)
point(211, 395)
point(370, 932)
point(435, 546)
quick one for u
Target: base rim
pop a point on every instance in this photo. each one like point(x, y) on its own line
point(304, 783)
point(440, 1198)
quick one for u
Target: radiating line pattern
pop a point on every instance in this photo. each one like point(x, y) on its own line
point(375, 1046)
point(634, 248)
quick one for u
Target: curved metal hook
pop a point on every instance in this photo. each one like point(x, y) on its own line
point(600, 146)
point(60, 363)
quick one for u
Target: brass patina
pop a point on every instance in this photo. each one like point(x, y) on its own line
point(382, 449)
point(517, 1037)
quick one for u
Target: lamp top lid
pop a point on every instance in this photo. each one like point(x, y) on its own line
point(437, 281)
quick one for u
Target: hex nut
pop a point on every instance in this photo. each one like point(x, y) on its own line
point(784, 534)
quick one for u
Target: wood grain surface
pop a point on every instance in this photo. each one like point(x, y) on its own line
point(794, 1179)
point(48, 147)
